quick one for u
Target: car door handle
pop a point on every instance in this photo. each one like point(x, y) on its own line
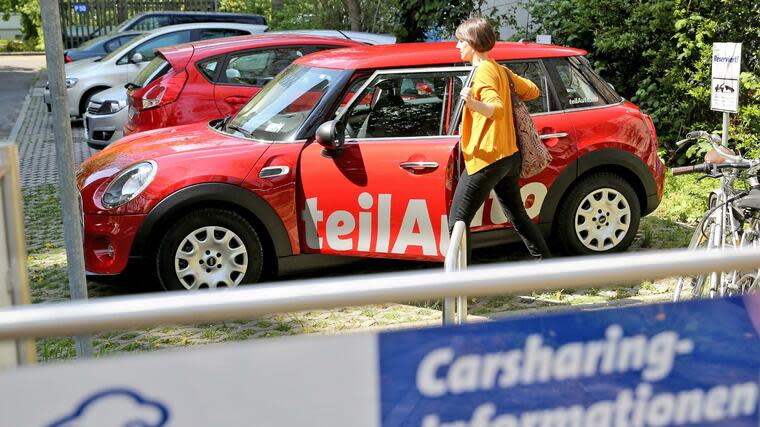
point(417, 166)
point(553, 135)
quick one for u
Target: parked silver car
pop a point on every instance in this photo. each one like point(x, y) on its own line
point(87, 77)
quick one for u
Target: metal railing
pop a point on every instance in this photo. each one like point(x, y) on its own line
point(106, 314)
point(455, 308)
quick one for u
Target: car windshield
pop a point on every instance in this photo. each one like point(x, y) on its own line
point(278, 111)
point(126, 46)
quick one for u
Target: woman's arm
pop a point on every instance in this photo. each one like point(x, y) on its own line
point(524, 88)
point(485, 84)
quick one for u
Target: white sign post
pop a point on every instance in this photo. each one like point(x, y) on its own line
point(724, 90)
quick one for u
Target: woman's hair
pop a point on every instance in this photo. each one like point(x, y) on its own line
point(478, 33)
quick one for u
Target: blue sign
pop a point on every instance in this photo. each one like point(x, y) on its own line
point(80, 7)
point(694, 363)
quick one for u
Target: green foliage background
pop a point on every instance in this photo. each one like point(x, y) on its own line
point(658, 55)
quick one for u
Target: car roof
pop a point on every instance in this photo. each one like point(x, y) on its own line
point(420, 54)
point(368, 38)
point(179, 55)
point(254, 28)
point(195, 12)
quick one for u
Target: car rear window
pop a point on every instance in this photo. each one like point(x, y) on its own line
point(155, 69)
point(574, 89)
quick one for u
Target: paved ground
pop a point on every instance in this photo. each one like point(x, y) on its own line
point(17, 74)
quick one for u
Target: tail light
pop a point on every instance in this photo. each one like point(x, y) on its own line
point(67, 58)
point(165, 91)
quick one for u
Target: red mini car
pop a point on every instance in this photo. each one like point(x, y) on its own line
point(354, 152)
point(207, 80)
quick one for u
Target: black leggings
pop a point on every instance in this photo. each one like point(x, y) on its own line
point(503, 177)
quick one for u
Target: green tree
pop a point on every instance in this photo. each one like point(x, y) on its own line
point(658, 54)
point(29, 10)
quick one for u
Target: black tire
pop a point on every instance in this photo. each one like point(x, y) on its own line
point(696, 282)
point(618, 217)
point(236, 262)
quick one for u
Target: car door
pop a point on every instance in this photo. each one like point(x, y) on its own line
point(246, 72)
point(556, 130)
point(387, 193)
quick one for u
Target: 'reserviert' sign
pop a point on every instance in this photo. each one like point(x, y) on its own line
point(726, 67)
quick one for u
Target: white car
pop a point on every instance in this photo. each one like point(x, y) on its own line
point(87, 77)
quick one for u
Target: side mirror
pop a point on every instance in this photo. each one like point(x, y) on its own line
point(332, 136)
point(136, 58)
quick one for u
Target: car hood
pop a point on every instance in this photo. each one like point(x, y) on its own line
point(118, 93)
point(171, 147)
point(83, 66)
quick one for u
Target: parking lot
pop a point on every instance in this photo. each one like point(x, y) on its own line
point(47, 268)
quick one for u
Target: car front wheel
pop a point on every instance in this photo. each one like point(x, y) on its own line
point(209, 248)
point(600, 214)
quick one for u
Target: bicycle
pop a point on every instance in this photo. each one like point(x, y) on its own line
point(731, 221)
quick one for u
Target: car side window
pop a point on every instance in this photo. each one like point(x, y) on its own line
point(152, 22)
point(208, 68)
point(402, 105)
point(146, 49)
point(533, 71)
point(259, 67)
point(573, 88)
point(216, 33)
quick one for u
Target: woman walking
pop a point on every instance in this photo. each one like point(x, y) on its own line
point(489, 146)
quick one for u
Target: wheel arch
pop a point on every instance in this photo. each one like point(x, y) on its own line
point(86, 95)
point(272, 232)
point(619, 162)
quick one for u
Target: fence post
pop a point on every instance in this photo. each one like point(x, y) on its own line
point(72, 227)
point(15, 290)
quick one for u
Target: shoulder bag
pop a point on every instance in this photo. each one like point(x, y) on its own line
point(535, 155)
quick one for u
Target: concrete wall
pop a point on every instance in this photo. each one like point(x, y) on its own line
point(10, 29)
point(502, 7)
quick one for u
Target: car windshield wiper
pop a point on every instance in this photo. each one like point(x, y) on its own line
point(223, 122)
point(237, 128)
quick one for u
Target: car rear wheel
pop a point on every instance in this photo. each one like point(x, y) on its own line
point(209, 248)
point(600, 214)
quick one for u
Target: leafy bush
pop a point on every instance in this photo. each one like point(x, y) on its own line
point(685, 198)
point(658, 54)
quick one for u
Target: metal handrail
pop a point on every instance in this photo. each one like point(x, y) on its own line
point(105, 314)
point(455, 308)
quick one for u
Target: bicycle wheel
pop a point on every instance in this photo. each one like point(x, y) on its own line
point(700, 241)
point(748, 281)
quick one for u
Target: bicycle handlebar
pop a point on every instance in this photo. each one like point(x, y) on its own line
point(715, 141)
point(707, 167)
point(700, 168)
